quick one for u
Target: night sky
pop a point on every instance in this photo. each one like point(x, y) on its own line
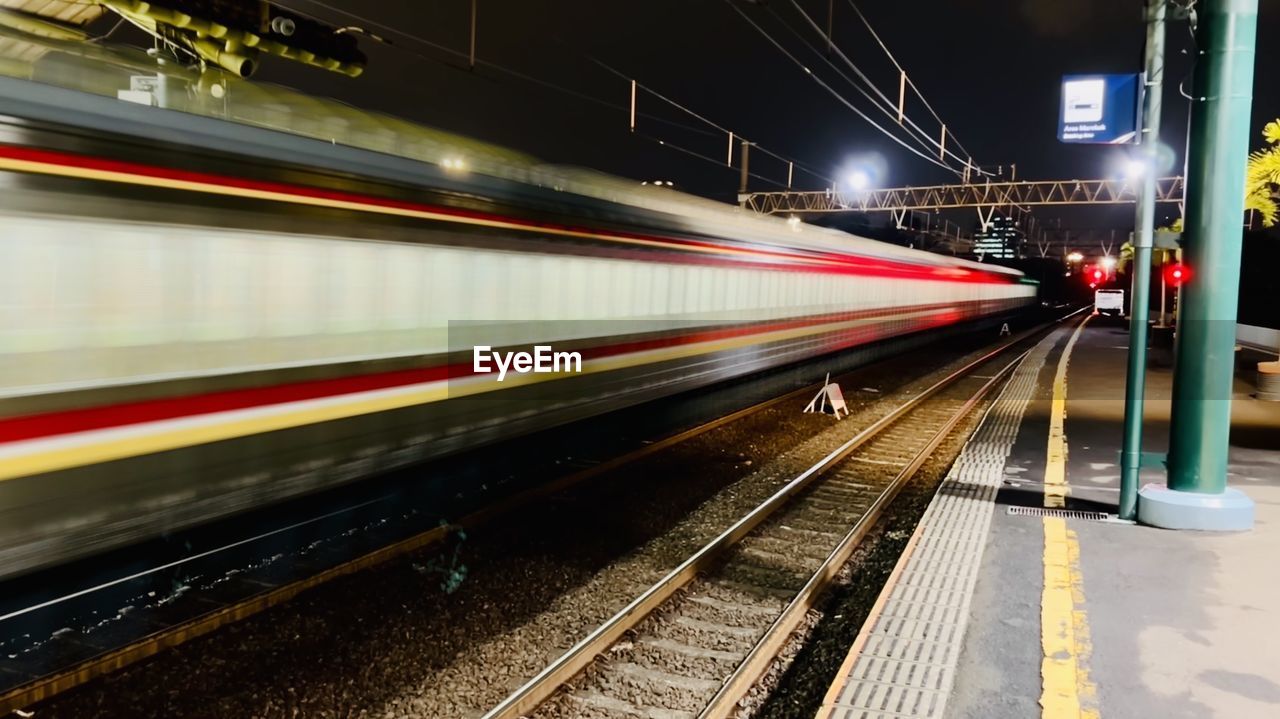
point(991, 68)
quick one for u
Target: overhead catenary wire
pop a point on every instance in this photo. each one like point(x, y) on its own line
point(889, 106)
point(707, 158)
point(884, 104)
point(919, 136)
point(826, 86)
point(910, 83)
point(525, 77)
point(571, 92)
point(711, 123)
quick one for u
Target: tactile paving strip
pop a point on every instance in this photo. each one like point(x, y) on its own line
point(905, 662)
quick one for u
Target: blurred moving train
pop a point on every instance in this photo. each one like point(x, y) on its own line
point(202, 316)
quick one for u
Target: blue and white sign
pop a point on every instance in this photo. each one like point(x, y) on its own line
point(1099, 109)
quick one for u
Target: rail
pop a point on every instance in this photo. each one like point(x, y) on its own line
point(547, 682)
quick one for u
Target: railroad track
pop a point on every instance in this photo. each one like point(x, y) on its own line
point(144, 647)
point(695, 643)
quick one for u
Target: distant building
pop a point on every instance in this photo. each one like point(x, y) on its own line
point(1000, 240)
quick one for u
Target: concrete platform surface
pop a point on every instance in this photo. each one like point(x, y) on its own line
point(1076, 617)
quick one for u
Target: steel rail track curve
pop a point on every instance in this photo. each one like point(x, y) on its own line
point(145, 647)
point(548, 683)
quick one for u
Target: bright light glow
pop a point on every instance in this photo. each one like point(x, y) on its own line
point(454, 163)
point(861, 173)
point(1134, 169)
point(794, 223)
point(1108, 262)
point(1075, 257)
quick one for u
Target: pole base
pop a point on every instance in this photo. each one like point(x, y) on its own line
point(1160, 506)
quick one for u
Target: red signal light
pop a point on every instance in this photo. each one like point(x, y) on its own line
point(1177, 274)
point(1097, 275)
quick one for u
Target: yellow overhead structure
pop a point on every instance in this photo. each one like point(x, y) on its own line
point(237, 48)
point(231, 34)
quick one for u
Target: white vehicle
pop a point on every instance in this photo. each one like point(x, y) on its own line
point(1109, 302)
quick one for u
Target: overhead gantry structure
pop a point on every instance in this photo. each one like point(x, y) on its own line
point(1014, 199)
point(981, 196)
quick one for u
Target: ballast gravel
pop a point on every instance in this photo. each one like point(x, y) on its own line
point(389, 642)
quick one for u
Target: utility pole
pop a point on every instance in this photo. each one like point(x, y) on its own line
point(633, 106)
point(1197, 496)
point(1140, 294)
point(743, 174)
point(902, 97)
point(1164, 290)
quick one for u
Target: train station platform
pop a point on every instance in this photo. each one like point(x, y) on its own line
point(997, 611)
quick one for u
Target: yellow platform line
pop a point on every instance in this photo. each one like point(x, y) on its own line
point(1055, 466)
point(1066, 689)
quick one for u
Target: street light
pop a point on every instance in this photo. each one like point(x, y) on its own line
point(1075, 257)
point(1108, 263)
point(860, 173)
point(1135, 169)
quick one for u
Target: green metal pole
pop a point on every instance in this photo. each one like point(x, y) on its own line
point(1201, 420)
point(1144, 229)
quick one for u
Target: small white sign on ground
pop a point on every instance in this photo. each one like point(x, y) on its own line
point(830, 392)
